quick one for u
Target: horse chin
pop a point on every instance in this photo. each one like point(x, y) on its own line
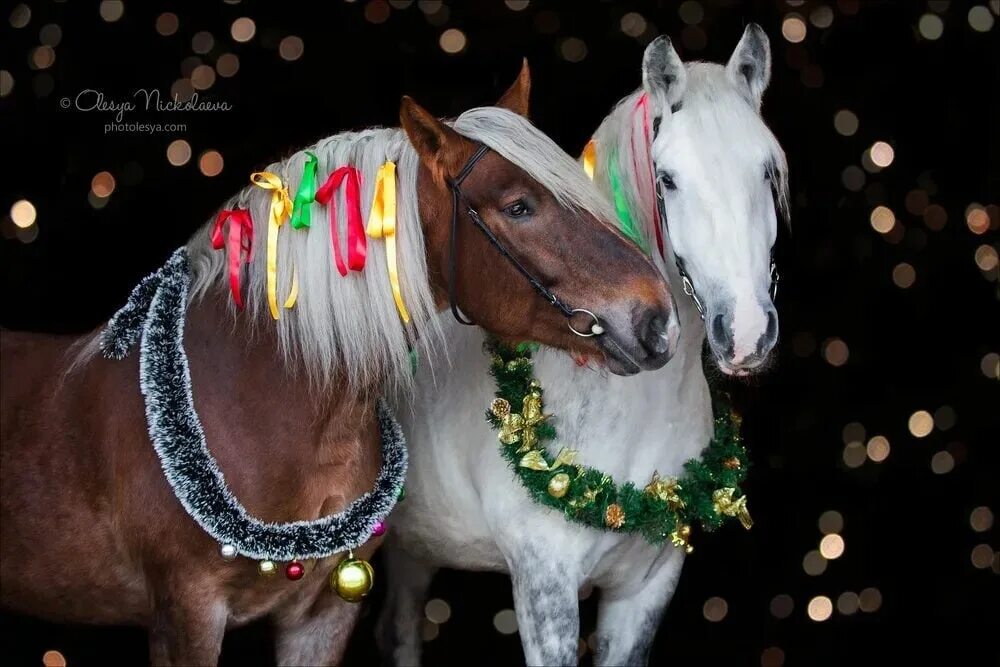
point(617, 360)
point(743, 370)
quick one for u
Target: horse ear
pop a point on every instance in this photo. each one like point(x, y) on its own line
point(663, 75)
point(749, 68)
point(516, 97)
point(436, 144)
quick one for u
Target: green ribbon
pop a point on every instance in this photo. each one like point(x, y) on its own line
point(301, 213)
point(622, 208)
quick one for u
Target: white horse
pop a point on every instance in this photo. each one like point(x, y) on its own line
point(722, 175)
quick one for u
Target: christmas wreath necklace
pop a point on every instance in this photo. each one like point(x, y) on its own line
point(154, 317)
point(708, 493)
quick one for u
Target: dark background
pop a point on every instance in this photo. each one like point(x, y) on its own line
point(908, 530)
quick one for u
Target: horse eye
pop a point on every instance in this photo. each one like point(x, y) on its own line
point(668, 182)
point(518, 209)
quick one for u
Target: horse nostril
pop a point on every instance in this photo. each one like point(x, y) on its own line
point(656, 339)
point(770, 336)
point(718, 329)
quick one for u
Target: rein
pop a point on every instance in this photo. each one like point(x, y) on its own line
point(458, 197)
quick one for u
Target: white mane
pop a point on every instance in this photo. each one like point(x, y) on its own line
point(712, 98)
point(349, 325)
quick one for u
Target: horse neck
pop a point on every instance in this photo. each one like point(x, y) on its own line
point(240, 378)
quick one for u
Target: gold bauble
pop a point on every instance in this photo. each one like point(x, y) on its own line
point(559, 485)
point(353, 579)
point(267, 568)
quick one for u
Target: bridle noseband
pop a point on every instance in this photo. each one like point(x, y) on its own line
point(686, 283)
point(456, 196)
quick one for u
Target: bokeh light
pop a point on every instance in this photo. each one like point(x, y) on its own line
point(813, 563)
point(53, 659)
point(23, 213)
point(573, 49)
point(882, 219)
point(870, 600)
point(990, 365)
point(832, 546)
point(848, 603)
point(178, 152)
point(243, 29)
point(981, 519)
point(820, 608)
point(505, 622)
point(831, 521)
point(878, 448)
point(904, 275)
point(437, 611)
point(452, 40)
point(980, 19)
point(291, 48)
point(981, 556)
point(210, 163)
point(111, 10)
point(633, 24)
point(835, 352)
point(793, 28)
point(103, 184)
point(882, 154)
point(167, 24)
point(942, 463)
point(782, 605)
point(715, 609)
point(920, 423)
point(930, 26)
point(227, 65)
point(845, 122)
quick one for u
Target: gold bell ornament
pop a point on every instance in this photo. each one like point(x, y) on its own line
point(353, 578)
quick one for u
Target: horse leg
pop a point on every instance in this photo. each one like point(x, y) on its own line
point(187, 626)
point(547, 605)
point(314, 627)
point(398, 629)
point(627, 619)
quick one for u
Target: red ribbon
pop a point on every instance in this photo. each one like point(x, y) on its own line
point(240, 241)
point(357, 242)
point(643, 102)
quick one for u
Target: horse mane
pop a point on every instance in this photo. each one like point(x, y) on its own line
point(349, 326)
point(624, 156)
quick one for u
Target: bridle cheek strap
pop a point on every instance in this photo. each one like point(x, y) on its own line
point(458, 198)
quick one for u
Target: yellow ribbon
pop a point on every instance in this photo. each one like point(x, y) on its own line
point(382, 225)
point(725, 504)
point(281, 208)
point(590, 158)
point(535, 460)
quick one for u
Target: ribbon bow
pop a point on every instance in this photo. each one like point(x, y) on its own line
point(239, 241)
point(382, 225)
point(666, 490)
point(281, 208)
point(301, 212)
point(357, 243)
point(535, 460)
point(519, 427)
point(726, 505)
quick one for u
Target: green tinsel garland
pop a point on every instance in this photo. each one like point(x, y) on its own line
point(708, 493)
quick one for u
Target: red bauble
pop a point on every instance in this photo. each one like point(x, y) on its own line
point(295, 570)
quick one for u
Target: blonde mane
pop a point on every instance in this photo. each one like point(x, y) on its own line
point(349, 325)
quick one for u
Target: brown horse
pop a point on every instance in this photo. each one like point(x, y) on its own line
point(92, 531)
